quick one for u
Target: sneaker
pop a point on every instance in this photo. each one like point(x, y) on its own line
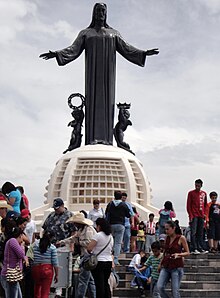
point(202, 251)
point(195, 252)
point(142, 294)
point(117, 264)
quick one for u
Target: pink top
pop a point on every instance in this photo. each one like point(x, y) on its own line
point(14, 254)
point(172, 213)
point(25, 201)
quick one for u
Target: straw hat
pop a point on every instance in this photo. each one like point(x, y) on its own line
point(4, 204)
point(80, 218)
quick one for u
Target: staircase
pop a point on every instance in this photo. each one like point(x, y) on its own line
point(201, 278)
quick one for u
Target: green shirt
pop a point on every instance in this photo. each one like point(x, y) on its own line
point(154, 263)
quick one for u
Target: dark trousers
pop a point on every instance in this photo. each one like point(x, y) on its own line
point(101, 275)
point(197, 226)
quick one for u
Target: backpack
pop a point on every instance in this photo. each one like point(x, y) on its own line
point(107, 215)
point(164, 218)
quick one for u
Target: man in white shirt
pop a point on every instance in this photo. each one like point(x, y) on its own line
point(30, 229)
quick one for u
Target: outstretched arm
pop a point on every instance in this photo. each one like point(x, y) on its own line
point(48, 55)
point(152, 52)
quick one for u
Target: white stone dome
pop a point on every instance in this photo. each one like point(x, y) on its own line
point(95, 172)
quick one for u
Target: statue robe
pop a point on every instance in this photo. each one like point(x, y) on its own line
point(100, 67)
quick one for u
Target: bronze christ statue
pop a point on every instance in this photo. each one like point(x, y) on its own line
point(100, 42)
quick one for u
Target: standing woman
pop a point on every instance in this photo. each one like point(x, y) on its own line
point(13, 255)
point(176, 248)
point(45, 265)
point(103, 270)
point(96, 212)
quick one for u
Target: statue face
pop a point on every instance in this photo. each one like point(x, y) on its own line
point(100, 12)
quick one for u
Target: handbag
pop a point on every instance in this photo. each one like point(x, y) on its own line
point(89, 262)
point(13, 274)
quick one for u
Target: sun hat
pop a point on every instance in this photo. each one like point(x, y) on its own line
point(80, 218)
point(57, 203)
point(25, 213)
point(4, 204)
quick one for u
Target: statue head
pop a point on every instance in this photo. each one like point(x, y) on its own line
point(99, 15)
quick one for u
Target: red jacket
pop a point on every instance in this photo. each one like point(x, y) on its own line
point(196, 204)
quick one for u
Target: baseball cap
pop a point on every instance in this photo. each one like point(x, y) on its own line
point(162, 237)
point(57, 203)
point(25, 213)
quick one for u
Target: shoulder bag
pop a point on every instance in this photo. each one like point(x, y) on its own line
point(13, 274)
point(89, 262)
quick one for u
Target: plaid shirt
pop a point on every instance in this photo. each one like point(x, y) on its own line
point(55, 223)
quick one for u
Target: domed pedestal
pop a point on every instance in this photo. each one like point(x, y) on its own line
point(95, 172)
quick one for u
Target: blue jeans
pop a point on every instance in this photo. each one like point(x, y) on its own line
point(149, 240)
point(117, 233)
point(165, 275)
point(12, 290)
point(126, 239)
point(140, 245)
point(197, 226)
point(85, 281)
point(153, 289)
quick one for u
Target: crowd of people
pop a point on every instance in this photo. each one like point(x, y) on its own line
point(159, 246)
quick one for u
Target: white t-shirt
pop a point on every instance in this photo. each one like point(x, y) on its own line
point(94, 214)
point(30, 230)
point(102, 239)
point(136, 260)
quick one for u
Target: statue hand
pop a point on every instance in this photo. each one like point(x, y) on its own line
point(48, 55)
point(152, 52)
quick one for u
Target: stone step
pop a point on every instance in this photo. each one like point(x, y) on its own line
point(197, 276)
point(196, 293)
point(191, 256)
point(123, 292)
point(187, 269)
point(206, 285)
point(185, 284)
point(201, 269)
point(188, 293)
point(125, 279)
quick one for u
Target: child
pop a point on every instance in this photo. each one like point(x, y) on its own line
point(150, 232)
point(141, 236)
point(213, 222)
point(165, 214)
point(135, 264)
point(153, 261)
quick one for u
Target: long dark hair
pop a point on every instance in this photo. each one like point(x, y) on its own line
point(104, 225)
point(168, 205)
point(15, 232)
point(45, 241)
point(175, 224)
point(92, 24)
point(7, 187)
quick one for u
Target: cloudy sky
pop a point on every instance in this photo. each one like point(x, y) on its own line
point(174, 98)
